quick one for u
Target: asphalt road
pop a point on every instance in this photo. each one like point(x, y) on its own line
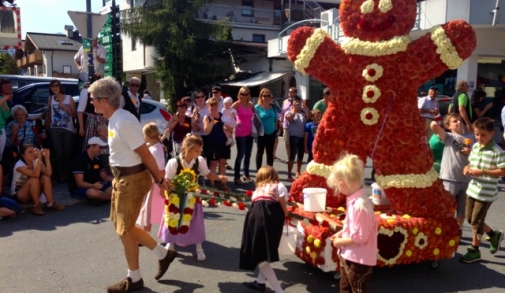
point(78, 251)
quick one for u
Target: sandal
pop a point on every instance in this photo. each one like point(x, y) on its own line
point(246, 179)
point(200, 256)
point(238, 182)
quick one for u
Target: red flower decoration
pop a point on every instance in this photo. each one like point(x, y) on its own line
point(241, 206)
point(173, 209)
point(212, 202)
point(166, 201)
point(183, 229)
point(249, 193)
point(188, 211)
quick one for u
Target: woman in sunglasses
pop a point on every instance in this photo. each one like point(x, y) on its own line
point(60, 113)
point(268, 116)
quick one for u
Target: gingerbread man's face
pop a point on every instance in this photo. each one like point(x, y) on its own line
point(377, 20)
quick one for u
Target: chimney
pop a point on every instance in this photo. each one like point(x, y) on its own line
point(70, 31)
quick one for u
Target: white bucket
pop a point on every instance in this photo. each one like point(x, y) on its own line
point(378, 195)
point(314, 199)
point(288, 240)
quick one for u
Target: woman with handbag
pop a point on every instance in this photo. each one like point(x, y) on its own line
point(243, 138)
point(269, 119)
point(60, 113)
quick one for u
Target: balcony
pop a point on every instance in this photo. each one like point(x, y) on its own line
point(35, 58)
point(241, 14)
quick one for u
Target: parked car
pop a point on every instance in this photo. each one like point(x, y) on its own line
point(150, 111)
point(34, 96)
point(19, 81)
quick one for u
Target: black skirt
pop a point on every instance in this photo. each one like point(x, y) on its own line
point(262, 234)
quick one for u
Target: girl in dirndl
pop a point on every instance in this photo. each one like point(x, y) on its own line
point(152, 207)
point(189, 158)
point(263, 229)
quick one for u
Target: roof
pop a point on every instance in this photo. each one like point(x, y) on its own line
point(57, 42)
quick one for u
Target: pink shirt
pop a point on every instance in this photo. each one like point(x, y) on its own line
point(244, 121)
point(361, 226)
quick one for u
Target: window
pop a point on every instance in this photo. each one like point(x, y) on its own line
point(134, 44)
point(247, 8)
point(258, 38)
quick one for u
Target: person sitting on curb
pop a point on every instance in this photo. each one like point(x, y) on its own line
point(8, 207)
point(90, 180)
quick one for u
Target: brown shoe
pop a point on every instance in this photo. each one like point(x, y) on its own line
point(126, 285)
point(56, 207)
point(165, 263)
point(37, 209)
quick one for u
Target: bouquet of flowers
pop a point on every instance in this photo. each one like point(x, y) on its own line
point(179, 198)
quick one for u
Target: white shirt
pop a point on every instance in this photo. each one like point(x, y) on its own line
point(230, 117)
point(18, 179)
point(125, 135)
point(203, 111)
point(273, 190)
point(425, 103)
point(59, 117)
point(171, 168)
point(83, 101)
point(135, 100)
point(82, 58)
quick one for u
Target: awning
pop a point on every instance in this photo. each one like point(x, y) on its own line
point(258, 79)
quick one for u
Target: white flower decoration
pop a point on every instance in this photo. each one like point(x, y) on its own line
point(319, 169)
point(407, 180)
point(390, 233)
point(445, 49)
point(367, 6)
point(373, 72)
point(355, 46)
point(369, 116)
point(421, 241)
point(385, 5)
point(371, 93)
point(308, 51)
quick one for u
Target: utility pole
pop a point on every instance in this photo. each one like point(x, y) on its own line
point(89, 36)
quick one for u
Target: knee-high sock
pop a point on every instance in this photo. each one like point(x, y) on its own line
point(261, 278)
point(269, 274)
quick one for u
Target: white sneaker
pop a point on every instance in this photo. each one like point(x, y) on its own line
point(200, 256)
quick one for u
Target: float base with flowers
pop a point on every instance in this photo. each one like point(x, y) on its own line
point(373, 76)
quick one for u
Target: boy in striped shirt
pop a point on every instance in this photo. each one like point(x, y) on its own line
point(487, 164)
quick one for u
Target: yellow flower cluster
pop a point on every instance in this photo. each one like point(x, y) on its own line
point(407, 180)
point(376, 93)
point(390, 233)
point(379, 70)
point(445, 49)
point(373, 120)
point(385, 5)
point(367, 6)
point(310, 48)
point(355, 46)
point(319, 169)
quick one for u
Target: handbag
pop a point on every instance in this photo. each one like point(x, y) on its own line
point(257, 126)
point(287, 245)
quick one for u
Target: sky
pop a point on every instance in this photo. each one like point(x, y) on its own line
point(50, 16)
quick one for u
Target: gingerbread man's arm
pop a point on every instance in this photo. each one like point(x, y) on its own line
point(446, 47)
point(311, 50)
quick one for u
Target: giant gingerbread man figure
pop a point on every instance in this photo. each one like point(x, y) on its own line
point(374, 76)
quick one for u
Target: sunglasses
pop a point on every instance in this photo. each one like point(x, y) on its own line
point(181, 106)
point(266, 96)
point(200, 97)
point(135, 85)
point(92, 98)
point(244, 94)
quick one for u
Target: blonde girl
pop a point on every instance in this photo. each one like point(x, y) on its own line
point(152, 208)
point(263, 229)
point(357, 240)
point(189, 158)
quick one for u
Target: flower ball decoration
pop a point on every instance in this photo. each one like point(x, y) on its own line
point(313, 243)
point(373, 77)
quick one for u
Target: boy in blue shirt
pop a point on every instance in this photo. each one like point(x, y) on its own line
point(487, 164)
point(310, 132)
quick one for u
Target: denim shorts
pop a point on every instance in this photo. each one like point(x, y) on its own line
point(81, 193)
point(10, 204)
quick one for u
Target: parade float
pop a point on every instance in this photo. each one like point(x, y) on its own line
point(373, 76)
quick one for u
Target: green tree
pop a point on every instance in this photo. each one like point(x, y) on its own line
point(191, 52)
point(8, 64)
